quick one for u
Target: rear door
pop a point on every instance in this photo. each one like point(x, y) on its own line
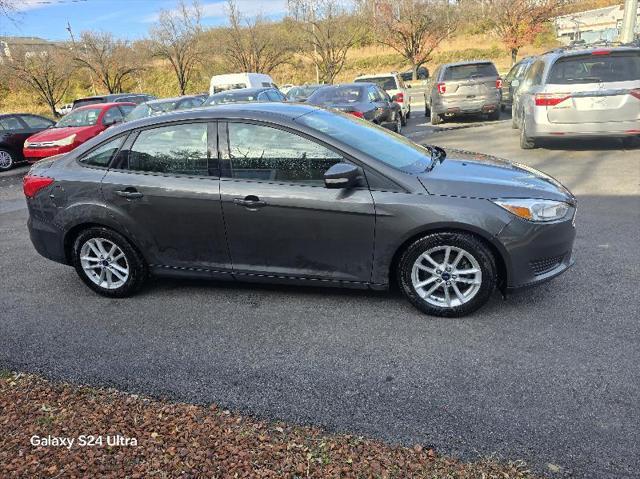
point(281, 220)
point(14, 131)
point(469, 82)
point(600, 87)
point(164, 188)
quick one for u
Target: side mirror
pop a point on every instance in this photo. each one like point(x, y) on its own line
point(341, 175)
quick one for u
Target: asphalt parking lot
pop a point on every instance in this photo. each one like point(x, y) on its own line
point(549, 375)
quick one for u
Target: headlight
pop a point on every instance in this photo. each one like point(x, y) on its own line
point(535, 210)
point(66, 141)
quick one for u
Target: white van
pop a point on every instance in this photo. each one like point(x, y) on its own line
point(234, 81)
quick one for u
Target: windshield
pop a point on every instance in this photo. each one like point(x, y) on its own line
point(222, 98)
point(372, 140)
point(301, 91)
point(596, 68)
point(337, 94)
point(86, 117)
point(386, 83)
point(463, 72)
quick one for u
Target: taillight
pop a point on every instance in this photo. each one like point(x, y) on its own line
point(399, 97)
point(635, 92)
point(499, 83)
point(359, 114)
point(442, 88)
point(32, 184)
point(551, 99)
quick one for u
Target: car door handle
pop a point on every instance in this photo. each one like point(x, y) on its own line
point(250, 201)
point(129, 193)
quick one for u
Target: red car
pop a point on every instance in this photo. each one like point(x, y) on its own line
point(74, 129)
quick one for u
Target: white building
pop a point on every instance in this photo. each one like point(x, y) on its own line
point(592, 25)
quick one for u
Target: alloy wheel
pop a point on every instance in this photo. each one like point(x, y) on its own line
point(104, 263)
point(5, 160)
point(446, 276)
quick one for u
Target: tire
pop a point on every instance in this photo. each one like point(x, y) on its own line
point(503, 108)
point(397, 127)
point(631, 142)
point(407, 116)
point(427, 110)
point(7, 159)
point(131, 262)
point(514, 119)
point(477, 257)
point(435, 118)
point(495, 116)
point(526, 142)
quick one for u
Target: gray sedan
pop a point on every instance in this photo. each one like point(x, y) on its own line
point(273, 192)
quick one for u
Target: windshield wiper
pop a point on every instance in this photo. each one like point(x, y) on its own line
point(438, 155)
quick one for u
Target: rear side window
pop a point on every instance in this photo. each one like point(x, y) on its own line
point(463, 72)
point(596, 68)
point(10, 123)
point(102, 155)
point(36, 121)
point(176, 149)
point(534, 74)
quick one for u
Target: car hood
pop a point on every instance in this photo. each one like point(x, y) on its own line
point(53, 134)
point(477, 175)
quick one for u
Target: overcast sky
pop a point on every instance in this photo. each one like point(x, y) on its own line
point(125, 18)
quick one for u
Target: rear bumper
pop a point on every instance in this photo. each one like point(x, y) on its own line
point(542, 128)
point(46, 238)
point(537, 252)
point(463, 106)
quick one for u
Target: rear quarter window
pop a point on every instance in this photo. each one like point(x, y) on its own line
point(598, 68)
point(463, 72)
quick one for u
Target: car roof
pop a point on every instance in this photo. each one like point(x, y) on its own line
point(468, 62)
point(567, 52)
point(244, 90)
point(104, 105)
point(3, 115)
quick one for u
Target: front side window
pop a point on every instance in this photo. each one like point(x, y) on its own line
point(263, 153)
point(84, 117)
point(111, 116)
point(102, 155)
point(176, 149)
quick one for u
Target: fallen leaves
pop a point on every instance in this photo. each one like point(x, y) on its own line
point(183, 440)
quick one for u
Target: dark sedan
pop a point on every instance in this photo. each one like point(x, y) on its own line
point(14, 130)
point(272, 192)
point(164, 105)
point(363, 100)
point(245, 95)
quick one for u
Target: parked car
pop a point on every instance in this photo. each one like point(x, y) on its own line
point(157, 107)
point(245, 95)
point(577, 93)
point(364, 100)
point(74, 129)
point(423, 74)
point(234, 81)
point(302, 92)
point(15, 128)
point(64, 109)
point(395, 88)
point(135, 98)
point(511, 82)
point(463, 88)
point(308, 196)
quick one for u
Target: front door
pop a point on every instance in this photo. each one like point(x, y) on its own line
point(166, 191)
point(281, 220)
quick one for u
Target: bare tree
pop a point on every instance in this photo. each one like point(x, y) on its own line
point(45, 73)
point(413, 28)
point(8, 8)
point(329, 32)
point(176, 38)
point(109, 59)
point(517, 22)
point(254, 45)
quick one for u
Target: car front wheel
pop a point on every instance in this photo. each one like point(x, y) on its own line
point(435, 118)
point(108, 263)
point(447, 274)
point(6, 159)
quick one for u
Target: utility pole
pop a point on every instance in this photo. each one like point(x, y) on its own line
point(629, 21)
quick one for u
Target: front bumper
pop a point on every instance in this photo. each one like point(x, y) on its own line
point(537, 252)
point(36, 154)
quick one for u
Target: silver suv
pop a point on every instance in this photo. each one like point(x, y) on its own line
point(571, 93)
point(463, 88)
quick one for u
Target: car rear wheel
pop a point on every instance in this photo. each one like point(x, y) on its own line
point(407, 116)
point(447, 274)
point(435, 118)
point(108, 263)
point(494, 116)
point(6, 159)
point(526, 142)
point(514, 119)
point(397, 127)
point(427, 110)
